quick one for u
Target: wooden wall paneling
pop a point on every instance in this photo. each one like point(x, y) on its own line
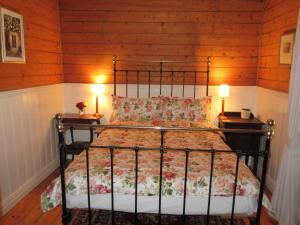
point(161, 30)
point(221, 61)
point(161, 16)
point(160, 50)
point(42, 46)
point(163, 39)
point(167, 5)
point(279, 17)
point(279, 9)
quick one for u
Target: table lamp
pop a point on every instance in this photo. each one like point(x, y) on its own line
point(223, 92)
point(98, 89)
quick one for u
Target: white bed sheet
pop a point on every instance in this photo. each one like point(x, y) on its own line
point(170, 205)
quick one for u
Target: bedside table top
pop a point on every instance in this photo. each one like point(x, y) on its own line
point(235, 118)
point(76, 118)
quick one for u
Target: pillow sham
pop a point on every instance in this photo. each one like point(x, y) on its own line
point(135, 109)
point(176, 108)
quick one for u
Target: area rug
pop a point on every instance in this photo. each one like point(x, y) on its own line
point(103, 217)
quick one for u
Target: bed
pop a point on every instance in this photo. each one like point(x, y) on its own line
point(162, 156)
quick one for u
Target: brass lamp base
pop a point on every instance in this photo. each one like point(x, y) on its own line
point(99, 115)
point(222, 116)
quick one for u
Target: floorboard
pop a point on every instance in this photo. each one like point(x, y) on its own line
point(28, 211)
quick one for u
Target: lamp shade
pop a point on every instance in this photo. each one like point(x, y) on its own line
point(98, 89)
point(224, 90)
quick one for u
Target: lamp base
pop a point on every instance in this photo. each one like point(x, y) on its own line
point(98, 115)
point(222, 116)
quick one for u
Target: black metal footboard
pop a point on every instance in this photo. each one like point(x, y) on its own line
point(264, 154)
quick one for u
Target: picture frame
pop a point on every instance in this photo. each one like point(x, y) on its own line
point(12, 37)
point(287, 47)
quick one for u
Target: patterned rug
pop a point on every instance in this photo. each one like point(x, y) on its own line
point(103, 217)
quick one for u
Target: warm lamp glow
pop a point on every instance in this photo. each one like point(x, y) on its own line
point(100, 79)
point(224, 90)
point(98, 89)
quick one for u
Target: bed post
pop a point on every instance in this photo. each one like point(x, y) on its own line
point(115, 75)
point(270, 132)
point(183, 84)
point(208, 73)
point(162, 133)
point(62, 157)
point(213, 152)
point(195, 83)
point(160, 75)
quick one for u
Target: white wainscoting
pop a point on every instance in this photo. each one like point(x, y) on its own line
point(274, 104)
point(28, 151)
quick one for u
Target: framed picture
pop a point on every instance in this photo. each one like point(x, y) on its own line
point(12, 37)
point(286, 48)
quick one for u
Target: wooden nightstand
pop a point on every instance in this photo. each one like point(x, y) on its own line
point(244, 142)
point(82, 119)
point(76, 147)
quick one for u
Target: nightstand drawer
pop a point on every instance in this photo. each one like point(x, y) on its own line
point(243, 142)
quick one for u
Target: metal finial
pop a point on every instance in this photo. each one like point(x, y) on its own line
point(209, 60)
point(114, 59)
point(59, 123)
point(270, 128)
point(58, 116)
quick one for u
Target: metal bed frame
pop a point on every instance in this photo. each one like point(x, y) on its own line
point(264, 153)
point(171, 73)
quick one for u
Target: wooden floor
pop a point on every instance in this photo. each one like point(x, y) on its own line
point(28, 211)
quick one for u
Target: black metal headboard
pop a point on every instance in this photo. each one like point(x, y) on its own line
point(159, 70)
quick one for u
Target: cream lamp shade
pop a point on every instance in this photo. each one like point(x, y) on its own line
point(98, 89)
point(224, 90)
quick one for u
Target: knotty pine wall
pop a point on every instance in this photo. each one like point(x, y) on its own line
point(227, 30)
point(42, 46)
point(279, 17)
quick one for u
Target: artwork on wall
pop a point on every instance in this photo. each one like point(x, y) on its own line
point(286, 48)
point(12, 37)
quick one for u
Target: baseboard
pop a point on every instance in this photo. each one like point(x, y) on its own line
point(28, 186)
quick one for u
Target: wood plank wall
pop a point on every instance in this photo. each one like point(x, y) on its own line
point(42, 46)
point(280, 16)
point(93, 31)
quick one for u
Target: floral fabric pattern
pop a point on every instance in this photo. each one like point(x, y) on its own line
point(160, 108)
point(135, 109)
point(199, 166)
point(192, 109)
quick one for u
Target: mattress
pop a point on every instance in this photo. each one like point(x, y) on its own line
point(148, 179)
point(170, 205)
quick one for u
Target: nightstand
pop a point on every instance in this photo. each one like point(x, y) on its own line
point(249, 143)
point(76, 147)
point(82, 119)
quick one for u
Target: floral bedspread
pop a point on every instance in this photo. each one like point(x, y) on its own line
point(148, 178)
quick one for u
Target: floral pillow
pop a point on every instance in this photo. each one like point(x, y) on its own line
point(135, 109)
point(176, 108)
